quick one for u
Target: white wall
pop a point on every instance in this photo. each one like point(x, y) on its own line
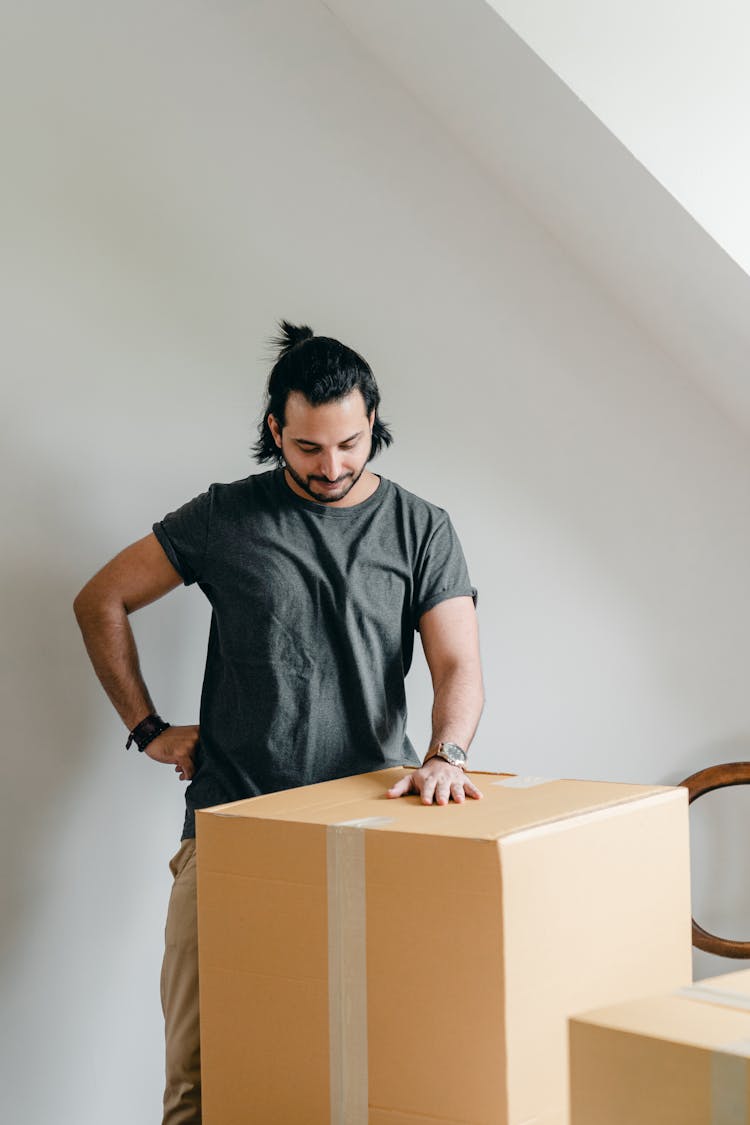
point(178, 177)
point(671, 81)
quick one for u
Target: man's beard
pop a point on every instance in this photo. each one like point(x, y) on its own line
point(307, 484)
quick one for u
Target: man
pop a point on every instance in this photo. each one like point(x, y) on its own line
point(318, 573)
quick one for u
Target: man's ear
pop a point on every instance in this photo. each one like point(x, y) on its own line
point(275, 429)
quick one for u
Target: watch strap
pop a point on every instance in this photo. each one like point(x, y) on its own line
point(146, 731)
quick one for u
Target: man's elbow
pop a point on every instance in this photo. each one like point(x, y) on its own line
point(86, 608)
point(80, 603)
point(91, 603)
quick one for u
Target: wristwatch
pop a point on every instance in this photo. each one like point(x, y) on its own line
point(449, 752)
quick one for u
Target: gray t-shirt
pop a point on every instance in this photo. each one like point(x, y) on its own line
point(312, 630)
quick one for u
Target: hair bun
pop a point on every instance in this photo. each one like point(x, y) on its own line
point(290, 335)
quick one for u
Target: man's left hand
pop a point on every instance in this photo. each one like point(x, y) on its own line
point(439, 781)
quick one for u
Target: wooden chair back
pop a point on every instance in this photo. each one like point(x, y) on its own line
point(705, 781)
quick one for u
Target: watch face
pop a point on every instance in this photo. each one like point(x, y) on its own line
point(452, 752)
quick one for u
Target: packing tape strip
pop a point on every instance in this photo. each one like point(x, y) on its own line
point(523, 782)
point(729, 1081)
point(347, 969)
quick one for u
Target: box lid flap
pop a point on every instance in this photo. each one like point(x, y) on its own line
point(509, 804)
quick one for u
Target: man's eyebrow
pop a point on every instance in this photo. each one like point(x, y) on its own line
point(307, 441)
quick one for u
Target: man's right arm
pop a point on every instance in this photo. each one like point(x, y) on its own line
point(139, 575)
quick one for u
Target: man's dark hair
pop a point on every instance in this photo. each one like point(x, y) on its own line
point(323, 370)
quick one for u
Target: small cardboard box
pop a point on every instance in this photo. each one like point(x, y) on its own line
point(366, 961)
point(682, 1058)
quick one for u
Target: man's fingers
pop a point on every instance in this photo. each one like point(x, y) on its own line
point(401, 788)
point(187, 769)
point(471, 790)
point(428, 790)
point(442, 792)
point(436, 788)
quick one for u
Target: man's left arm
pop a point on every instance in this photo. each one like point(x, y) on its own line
point(450, 638)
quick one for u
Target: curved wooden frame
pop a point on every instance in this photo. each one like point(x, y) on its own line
point(705, 781)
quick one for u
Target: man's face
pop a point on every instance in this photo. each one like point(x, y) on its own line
point(325, 447)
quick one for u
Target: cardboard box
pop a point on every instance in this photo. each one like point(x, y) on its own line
point(682, 1058)
point(365, 960)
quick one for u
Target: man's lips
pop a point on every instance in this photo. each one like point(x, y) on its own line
point(330, 483)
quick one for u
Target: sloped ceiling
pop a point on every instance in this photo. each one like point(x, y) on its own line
point(542, 145)
point(671, 81)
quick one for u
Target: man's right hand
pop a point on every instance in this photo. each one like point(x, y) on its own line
point(175, 746)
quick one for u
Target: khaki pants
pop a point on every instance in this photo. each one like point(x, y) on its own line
point(179, 995)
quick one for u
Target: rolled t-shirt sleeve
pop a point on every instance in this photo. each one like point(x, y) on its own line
point(183, 535)
point(442, 572)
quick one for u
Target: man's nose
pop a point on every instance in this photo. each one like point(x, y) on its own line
point(330, 465)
